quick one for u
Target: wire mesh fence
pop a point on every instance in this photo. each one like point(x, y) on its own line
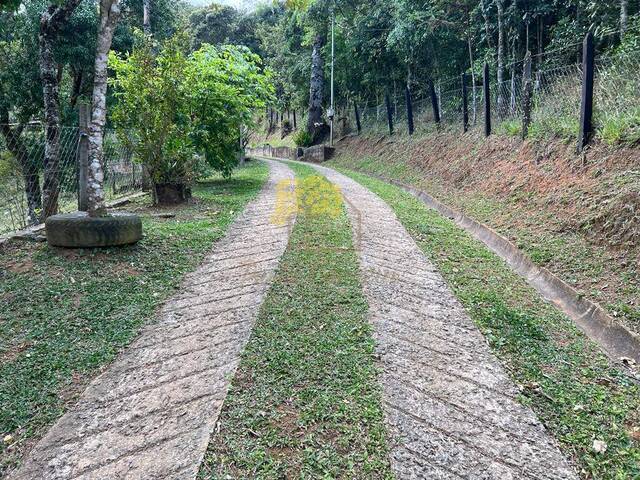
point(556, 80)
point(25, 183)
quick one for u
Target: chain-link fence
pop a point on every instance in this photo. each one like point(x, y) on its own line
point(556, 86)
point(25, 186)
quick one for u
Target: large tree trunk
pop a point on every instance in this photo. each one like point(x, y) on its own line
point(624, 17)
point(146, 16)
point(29, 171)
point(501, 102)
point(109, 14)
point(51, 21)
point(315, 123)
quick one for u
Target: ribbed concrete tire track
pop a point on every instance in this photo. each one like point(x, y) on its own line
point(151, 413)
point(451, 410)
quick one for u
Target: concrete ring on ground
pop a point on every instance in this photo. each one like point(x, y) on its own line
point(79, 230)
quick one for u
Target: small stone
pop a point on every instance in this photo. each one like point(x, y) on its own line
point(599, 446)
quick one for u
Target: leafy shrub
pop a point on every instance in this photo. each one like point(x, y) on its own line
point(303, 139)
point(513, 127)
point(174, 109)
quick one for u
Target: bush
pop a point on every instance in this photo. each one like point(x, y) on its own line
point(303, 139)
point(175, 109)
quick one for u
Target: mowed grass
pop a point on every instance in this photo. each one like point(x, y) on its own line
point(576, 392)
point(305, 402)
point(65, 314)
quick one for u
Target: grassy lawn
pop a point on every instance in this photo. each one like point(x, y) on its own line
point(65, 314)
point(305, 402)
point(573, 388)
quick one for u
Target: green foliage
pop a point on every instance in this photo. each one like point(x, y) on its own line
point(225, 88)
point(513, 127)
point(152, 112)
point(302, 138)
point(174, 108)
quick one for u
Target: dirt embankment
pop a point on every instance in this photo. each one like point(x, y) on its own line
point(578, 215)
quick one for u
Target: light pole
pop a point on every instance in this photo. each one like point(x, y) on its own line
point(333, 53)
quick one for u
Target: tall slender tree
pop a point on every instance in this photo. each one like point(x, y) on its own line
point(53, 19)
point(109, 15)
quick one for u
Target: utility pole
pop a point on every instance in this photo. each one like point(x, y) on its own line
point(333, 54)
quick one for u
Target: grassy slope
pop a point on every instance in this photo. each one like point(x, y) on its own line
point(572, 387)
point(543, 226)
point(305, 402)
point(64, 315)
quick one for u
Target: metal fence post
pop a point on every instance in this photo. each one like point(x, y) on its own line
point(465, 104)
point(409, 110)
point(527, 93)
point(389, 113)
point(434, 102)
point(586, 107)
point(83, 157)
point(487, 100)
point(358, 124)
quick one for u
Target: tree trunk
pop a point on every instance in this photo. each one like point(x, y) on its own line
point(146, 16)
point(501, 102)
point(109, 14)
point(29, 171)
point(316, 89)
point(78, 77)
point(624, 17)
point(51, 21)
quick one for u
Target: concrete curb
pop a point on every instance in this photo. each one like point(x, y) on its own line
point(616, 340)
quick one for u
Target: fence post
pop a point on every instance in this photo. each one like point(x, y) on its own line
point(434, 102)
point(487, 100)
point(586, 107)
point(409, 110)
point(83, 157)
point(358, 124)
point(465, 104)
point(527, 93)
point(389, 113)
point(295, 121)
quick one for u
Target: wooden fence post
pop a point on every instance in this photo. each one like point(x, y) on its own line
point(389, 113)
point(83, 157)
point(465, 104)
point(527, 93)
point(409, 110)
point(295, 121)
point(487, 101)
point(358, 124)
point(586, 107)
point(434, 102)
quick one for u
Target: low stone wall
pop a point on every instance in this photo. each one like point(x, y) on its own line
point(272, 152)
point(315, 154)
